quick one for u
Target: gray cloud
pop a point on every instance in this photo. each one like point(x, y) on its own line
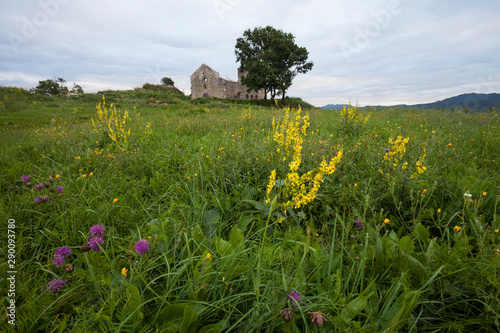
point(375, 52)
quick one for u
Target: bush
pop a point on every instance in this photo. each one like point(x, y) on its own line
point(55, 87)
point(167, 81)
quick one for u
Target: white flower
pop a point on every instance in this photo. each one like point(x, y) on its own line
point(468, 195)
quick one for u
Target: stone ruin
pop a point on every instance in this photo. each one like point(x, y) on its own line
point(205, 82)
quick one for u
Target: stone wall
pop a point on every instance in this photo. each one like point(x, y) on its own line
point(205, 82)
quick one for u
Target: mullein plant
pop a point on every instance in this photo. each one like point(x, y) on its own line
point(298, 190)
point(113, 123)
point(396, 160)
point(351, 120)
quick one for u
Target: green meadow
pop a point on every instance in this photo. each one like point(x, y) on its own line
point(147, 212)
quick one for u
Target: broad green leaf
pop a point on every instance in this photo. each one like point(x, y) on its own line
point(316, 251)
point(236, 270)
point(331, 286)
point(421, 233)
point(406, 244)
point(390, 247)
point(172, 317)
point(354, 307)
point(245, 220)
point(338, 284)
point(236, 237)
point(379, 256)
point(212, 328)
point(190, 321)
point(198, 235)
point(401, 310)
point(416, 267)
point(133, 304)
point(223, 247)
point(211, 222)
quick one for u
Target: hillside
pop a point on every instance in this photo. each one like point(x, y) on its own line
point(471, 101)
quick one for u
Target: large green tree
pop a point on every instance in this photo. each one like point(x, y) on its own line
point(270, 60)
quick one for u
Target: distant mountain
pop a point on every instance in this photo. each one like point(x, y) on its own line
point(334, 106)
point(471, 101)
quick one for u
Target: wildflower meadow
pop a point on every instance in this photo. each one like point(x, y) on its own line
point(145, 211)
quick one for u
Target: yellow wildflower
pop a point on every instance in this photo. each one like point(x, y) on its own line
point(115, 200)
point(457, 228)
point(124, 271)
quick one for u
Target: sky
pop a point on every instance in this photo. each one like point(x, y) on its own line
point(370, 52)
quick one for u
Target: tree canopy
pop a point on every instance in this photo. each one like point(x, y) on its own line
point(55, 87)
point(270, 60)
point(167, 81)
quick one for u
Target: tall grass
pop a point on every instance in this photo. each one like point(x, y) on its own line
point(370, 253)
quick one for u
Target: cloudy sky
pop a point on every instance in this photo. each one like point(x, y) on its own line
point(376, 52)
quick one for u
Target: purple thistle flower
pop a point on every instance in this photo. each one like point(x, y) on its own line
point(358, 223)
point(142, 246)
point(25, 178)
point(294, 296)
point(97, 230)
point(60, 189)
point(55, 285)
point(95, 243)
point(387, 150)
point(39, 187)
point(38, 199)
point(58, 260)
point(45, 198)
point(63, 252)
point(317, 318)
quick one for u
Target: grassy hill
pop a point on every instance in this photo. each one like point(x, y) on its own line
point(217, 215)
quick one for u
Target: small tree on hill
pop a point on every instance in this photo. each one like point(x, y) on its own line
point(167, 81)
point(77, 89)
point(270, 60)
point(51, 87)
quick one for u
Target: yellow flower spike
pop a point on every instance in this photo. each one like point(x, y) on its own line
point(124, 271)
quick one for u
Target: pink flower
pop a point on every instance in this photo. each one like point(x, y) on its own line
point(142, 246)
point(95, 243)
point(97, 231)
point(55, 285)
point(294, 296)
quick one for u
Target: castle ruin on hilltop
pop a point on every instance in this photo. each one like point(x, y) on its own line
point(205, 82)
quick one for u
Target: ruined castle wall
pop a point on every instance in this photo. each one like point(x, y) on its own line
point(205, 82)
